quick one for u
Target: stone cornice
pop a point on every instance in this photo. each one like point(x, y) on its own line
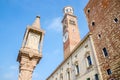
point(29, 53)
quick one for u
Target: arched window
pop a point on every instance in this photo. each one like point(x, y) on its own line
point(68, 75)
point(77, 69)
point(96, 77)
point(61, 76)
point(56, 79)
point(88, 59)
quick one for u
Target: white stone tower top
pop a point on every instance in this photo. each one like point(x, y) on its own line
point(68, 10)
point(36, 23)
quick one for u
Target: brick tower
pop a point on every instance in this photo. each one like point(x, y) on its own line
point(31, 50)
point(104, 23)
point(71, 35)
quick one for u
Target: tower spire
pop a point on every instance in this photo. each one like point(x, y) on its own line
point(36, 23)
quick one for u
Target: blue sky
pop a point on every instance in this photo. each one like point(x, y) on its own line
point(15, 15)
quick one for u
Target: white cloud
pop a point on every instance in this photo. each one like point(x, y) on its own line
point(9, 76)
point(10, 73)
point(55, 24)
point(14, 67)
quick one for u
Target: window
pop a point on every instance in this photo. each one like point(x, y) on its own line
point(88, 10)
point(76, 56)
point(64, 28)
point(72, 22)
point(93, 23)
point(65, 22)
point(88, 78)
point(105, 52)
point(61, 76)
point(66, 10)
point(109, 71)
point(96, 77)
point(86, 46)
point(99, 36)
point(89, 60)
point(68, 75)
point(76, 69)
point(68, 63)
point(116, 20)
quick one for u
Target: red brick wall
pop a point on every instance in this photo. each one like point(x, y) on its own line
point(103, 13)
point(73, 34)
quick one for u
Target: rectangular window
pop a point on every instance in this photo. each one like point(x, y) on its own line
point(105, 52)
point(68, 75)
point(116, 20)
point(61, 76)
point(65, 21)
point(89, 60)
point(93, 23)
point(64, 28)
point(77, 69)
point(109, 71)
point(96, 77)
point(72, 22)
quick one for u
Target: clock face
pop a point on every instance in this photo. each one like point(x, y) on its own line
point(33, 40)
point(65, 37)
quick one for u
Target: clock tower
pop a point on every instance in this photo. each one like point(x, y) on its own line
point(31, 50)
point(71, 36)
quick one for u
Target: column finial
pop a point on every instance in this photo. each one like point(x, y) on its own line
point(36, 23)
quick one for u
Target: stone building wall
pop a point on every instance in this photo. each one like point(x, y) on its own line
point(78, 57)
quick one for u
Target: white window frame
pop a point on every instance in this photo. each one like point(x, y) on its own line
point(86, 60)
point(68, 76)
point(76, 69)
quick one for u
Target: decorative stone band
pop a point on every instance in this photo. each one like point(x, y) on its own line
point(32, 54)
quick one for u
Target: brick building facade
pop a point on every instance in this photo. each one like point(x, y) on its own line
point(104, 23)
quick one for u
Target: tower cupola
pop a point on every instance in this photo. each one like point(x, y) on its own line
point(68, 10)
